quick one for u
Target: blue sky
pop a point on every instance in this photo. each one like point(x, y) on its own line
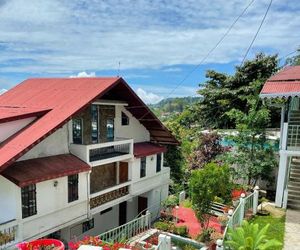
point(157, 42)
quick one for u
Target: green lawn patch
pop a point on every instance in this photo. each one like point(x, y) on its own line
point(276, 229)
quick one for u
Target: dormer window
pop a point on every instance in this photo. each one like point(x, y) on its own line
point(125, 119)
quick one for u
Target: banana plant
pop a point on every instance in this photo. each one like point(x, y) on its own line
point(250, 237)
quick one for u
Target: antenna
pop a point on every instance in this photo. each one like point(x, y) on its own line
point(119, 69)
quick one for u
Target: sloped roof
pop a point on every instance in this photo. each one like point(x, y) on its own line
point(32, 171)
point(285, 83)
point(142, 149)
point(60, 99)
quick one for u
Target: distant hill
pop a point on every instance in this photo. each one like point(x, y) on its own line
point(172, 105)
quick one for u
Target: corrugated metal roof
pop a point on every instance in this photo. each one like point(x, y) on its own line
point(64, 97)
point(32, 171)
point(142, 149)
point(285, 83)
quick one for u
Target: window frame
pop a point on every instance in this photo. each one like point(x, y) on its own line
point(158, 162)
point(81, 130)
point(112, 122)
point(95, 119)
point(143, 167)
point(73, 189)
point(28, 201)
point(88, 225)
point(124, 119)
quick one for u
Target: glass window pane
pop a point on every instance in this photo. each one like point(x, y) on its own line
point(94, 123)
point(110, 129)
point(77, 131)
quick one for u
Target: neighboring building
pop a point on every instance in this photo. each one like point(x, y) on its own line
point(286, 85)
point(78, 156)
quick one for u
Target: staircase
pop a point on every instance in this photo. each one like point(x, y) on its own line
point(294, 184)
point(294, 129)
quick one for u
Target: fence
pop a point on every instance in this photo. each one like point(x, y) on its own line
point(247, 205)
point(128, 230)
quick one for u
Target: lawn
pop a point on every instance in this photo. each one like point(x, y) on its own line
point(276, 229)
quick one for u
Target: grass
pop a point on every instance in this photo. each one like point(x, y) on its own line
point(276, 229)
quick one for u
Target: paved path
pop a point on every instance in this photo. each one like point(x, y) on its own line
point(292, 230)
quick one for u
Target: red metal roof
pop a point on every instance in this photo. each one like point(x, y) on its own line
point(60, 99)
point(142, 149)
point(62, 96)
point(285, 83)
point(24, 173)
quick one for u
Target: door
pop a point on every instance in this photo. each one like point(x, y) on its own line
point(142, 205)
point(123, 172)
point(122, 213)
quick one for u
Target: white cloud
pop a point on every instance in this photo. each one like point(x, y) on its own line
point(2, 91)
point(84, 74)
point(148, 97)
point(53, 36)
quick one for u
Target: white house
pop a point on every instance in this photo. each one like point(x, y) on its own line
point(78, 156)
point(286, 85)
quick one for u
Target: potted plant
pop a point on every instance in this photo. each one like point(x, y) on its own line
point(42, 244)
point(148, 246)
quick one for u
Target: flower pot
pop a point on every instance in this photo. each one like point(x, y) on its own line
point(48, 244)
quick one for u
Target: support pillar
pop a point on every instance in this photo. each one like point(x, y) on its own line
point(281, 179)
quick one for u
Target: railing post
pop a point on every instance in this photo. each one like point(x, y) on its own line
point(242, 208)
point(255, 199)
point(229, 223)
point(164, 242)
point(147, 219)
point(219, 243)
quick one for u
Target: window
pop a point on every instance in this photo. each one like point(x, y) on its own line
point(94, 123)
point(125, 119)
point(106, 211)
point(158, 163)
point(77, 131)
point(72, 187)
point(87, 225)
point(143, 167)
point(28, 195)
point(110, 129)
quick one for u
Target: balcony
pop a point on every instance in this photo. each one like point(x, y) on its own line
point(8, 234)
point(102, 153)
point(109, 195)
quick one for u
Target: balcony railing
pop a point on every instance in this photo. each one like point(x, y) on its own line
point(293, 139)
point(103, 152)
point(8, 234)
point(100, 199)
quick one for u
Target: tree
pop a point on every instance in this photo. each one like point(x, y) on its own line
point(222, 92)
point(213, 180)
point(253, 158)
point(207, 149)
point(294, 60)
point(249, 237)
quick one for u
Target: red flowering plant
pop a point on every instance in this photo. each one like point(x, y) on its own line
point(148, 245)
point(96, 241)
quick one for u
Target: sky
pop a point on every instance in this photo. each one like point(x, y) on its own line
point(152, 44)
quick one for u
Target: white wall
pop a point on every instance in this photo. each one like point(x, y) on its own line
point(7, 129)
point(134, 130)
point(53, 209)
point(54, 144)
point(9, 197)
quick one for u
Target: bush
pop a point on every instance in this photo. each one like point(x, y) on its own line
point(181, 230)
point(205, 235)
point(171, 201)
point(162, 225)
point(187, 203)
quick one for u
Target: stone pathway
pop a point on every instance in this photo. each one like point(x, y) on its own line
point(292, 230)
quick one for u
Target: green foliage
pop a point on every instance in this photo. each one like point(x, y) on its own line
point(294, 60)
point(187, 203)
point(180, 230)
point(171, 201)
point(205, 235)
point(252, 158)
point(222, 93)
point(162, 225)
point(250, 237)
point(213, 180)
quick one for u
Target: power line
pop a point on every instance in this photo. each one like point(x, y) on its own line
point(259, 27)
point(209, 52)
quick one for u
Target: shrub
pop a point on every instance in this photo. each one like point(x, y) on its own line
point(205, 235)
point(162, 225)
point(187, 203)
point(181, 230)
point(171, 201)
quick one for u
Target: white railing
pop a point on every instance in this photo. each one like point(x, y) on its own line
point(293, 136)
point(247, 205)
point(127, 230)
point(103, 152)
point(8, 234)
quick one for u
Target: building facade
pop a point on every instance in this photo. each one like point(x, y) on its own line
point(77, 157)
point(285, 85)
